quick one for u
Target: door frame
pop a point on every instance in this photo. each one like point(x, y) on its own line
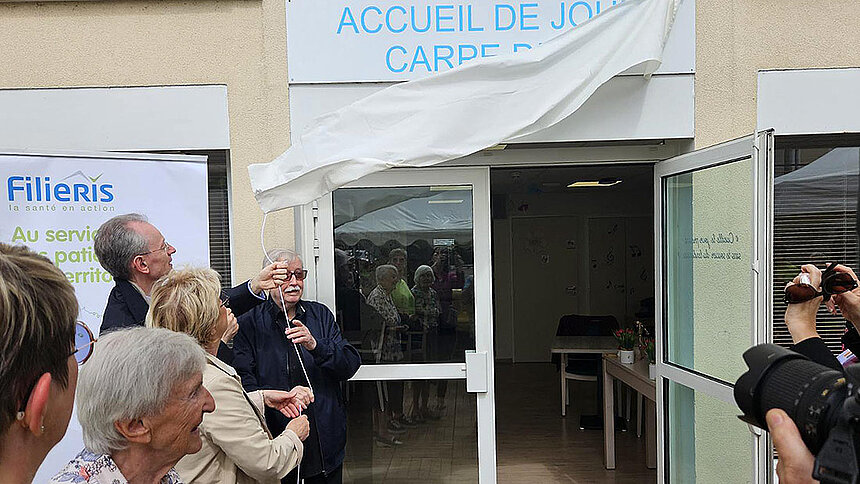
point(758, 147)
point(315, 235)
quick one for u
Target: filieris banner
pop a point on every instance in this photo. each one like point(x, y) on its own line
point(54, 204)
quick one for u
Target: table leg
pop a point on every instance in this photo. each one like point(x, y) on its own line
point(608, 418)
point(563, 384)
point(650, 434)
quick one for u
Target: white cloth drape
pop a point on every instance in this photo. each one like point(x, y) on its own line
point(467, 109)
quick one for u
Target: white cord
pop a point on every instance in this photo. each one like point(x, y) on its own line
point(289, 326)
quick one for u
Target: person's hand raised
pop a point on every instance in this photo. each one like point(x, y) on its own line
point(847, 302)
point(272, 276)
point(800, 317)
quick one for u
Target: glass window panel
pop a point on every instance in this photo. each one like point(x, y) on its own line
point(423, 308)
point(815, 221)
point(708, 244)
point(440, 446)
point(707, 442)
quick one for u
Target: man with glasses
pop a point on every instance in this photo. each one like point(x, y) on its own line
point(136, 254)
point(267, 358)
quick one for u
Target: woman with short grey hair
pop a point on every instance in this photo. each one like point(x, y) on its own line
point(139, 414)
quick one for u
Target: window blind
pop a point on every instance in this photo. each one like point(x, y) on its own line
point(815, 219)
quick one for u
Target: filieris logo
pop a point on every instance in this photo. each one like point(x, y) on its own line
point(79, 188)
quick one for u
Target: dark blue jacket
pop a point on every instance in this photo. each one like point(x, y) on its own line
point(265, 359)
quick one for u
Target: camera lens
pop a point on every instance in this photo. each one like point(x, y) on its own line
point(811, 394)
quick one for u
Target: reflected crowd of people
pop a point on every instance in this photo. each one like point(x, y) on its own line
point(402, 304)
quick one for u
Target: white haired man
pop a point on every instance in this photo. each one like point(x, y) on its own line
point(265, 358)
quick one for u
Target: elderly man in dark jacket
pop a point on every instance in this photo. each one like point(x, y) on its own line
point(266, 357)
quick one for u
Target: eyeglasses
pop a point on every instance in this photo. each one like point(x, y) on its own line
point(164, 247)
point(225, 299)
point(299, 273)
point(84, 340)
point(832, 282)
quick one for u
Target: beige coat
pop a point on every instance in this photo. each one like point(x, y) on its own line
point(237, 445)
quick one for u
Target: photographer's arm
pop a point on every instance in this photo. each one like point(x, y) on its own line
point(800, 320)
point(849, 305)
point(795, 461)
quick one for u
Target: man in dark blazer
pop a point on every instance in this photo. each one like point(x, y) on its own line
point(136, 254)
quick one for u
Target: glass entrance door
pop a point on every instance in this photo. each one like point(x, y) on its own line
point(403, 259)
point(710, 207)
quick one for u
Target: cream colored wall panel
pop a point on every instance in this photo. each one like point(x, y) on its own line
point(115, 119)
point(735, 39)
point(809, 101)
point(237, 43)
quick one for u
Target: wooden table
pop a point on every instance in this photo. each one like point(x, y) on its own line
point(565, 345)
point(635, 376)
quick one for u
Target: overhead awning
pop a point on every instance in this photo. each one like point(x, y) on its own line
point(459, 112)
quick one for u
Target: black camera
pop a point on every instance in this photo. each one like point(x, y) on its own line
point(823, 403)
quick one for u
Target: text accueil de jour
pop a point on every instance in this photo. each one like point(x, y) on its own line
point(451, 18)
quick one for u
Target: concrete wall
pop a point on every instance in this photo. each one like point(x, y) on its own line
point(734, 39)
point(239, 43)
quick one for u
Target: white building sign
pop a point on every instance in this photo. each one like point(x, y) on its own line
point(389, 40)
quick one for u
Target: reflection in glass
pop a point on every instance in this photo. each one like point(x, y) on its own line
point(815, 221)
point(441, 446)
point(404, 272)
point(707, 442)
point(708, 245)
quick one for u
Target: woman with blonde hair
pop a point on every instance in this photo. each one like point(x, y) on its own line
point(237, 444)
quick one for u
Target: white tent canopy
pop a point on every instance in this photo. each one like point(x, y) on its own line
point(446, 214)
point(467, 109)
point(828, 184)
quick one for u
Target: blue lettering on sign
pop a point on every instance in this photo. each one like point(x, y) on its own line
point(419, 58)
point(445, 58)
point(471, 27)
point(388, 58)
point(430, 56)
point(346, 19)
point(38, 189)
point(395, 8)
point(573, 8)
point(524, 16)
point(512, 14)
point(462, 57)
point(443, 18)
point(485, 49)
point(415, 26)
point(521, 45)
point(364, 19)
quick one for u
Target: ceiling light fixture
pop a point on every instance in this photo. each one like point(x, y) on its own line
point(444, 201)
point(447, 188)
point(603, 182)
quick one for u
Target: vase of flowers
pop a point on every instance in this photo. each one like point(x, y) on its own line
point(626, 341)
point(648, 348)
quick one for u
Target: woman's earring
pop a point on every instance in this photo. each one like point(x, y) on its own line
point(19, 415)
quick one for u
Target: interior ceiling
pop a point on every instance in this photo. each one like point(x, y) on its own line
point(556, 178)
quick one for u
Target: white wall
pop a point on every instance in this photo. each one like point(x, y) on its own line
point(620, 201)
